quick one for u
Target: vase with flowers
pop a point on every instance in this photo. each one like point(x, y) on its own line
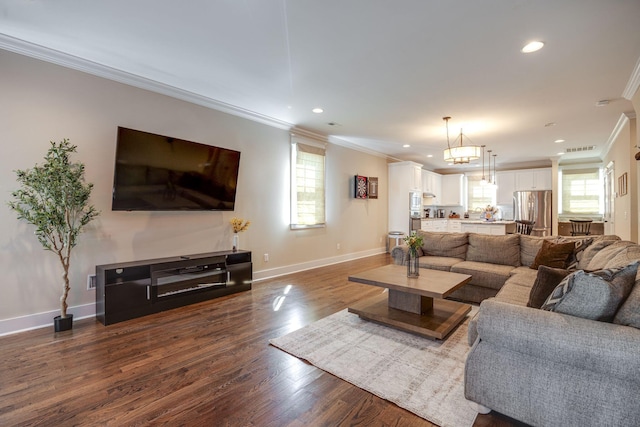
point(414, 243)
point(489, 213)
point(238, 225)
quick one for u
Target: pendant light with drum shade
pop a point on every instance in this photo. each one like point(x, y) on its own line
point(459, 154)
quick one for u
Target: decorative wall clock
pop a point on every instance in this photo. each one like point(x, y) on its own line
point(361, 187)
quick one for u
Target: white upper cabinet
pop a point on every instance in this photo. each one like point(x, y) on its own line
point(533, 179)
point(432, 183)
point(452, 190)
point(506, 186)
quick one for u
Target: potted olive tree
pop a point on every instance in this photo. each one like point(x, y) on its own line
point(55, 199)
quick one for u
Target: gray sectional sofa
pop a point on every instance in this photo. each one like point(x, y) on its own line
point(545, 368)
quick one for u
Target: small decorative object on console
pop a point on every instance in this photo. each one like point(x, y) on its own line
point(414, 242)
point(238, 225)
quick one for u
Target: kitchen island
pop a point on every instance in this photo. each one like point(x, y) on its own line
point(488, 227)
point(465, 225)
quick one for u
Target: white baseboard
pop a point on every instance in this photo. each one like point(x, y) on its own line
point(43, 320)
point(295, 268)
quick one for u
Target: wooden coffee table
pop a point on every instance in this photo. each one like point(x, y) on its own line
point(413, 304)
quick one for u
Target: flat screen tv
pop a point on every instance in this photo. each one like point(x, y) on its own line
point(160, 173)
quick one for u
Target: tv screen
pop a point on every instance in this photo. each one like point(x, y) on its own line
point(160, 173)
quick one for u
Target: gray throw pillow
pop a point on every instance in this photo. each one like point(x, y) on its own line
point(596, 295)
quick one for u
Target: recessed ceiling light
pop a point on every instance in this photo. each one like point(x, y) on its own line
point(429, 155)
point(558, 141)
point(406, 146)
point(560, 153)
point(318, 110)
point(532, 47)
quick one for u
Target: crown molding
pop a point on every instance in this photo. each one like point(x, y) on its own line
point(633, 83)
point(622, 121)
point(66, 60)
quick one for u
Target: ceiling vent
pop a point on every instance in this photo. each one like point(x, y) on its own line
point(580, 149)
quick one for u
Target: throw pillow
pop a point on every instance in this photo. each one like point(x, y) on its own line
point(546, 281)
point(580, 246)
point(629, 313)
point(553, 254)
point(596, 295)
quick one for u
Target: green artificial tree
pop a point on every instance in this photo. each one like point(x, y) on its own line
point(55, 199)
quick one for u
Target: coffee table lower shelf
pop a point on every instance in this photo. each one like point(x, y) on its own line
point(437, 323)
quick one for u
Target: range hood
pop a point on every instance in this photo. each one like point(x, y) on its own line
point(428, 194)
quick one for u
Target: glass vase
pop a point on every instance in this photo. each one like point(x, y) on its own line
point(236, 242)
point(413, 267)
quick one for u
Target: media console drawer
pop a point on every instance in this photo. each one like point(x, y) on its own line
point(132, 289)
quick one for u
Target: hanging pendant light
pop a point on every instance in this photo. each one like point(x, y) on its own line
point(459, 153)
point(489, 182)
point(495, 183)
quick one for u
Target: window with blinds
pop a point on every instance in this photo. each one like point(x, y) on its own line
point(581, 191)
point(479, 195)
point(307, 185)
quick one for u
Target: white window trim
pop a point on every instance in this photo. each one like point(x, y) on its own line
point(293, 225)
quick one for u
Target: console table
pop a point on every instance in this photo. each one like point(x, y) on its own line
point(133, 289)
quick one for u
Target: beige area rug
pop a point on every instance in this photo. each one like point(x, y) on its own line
point(423, 376)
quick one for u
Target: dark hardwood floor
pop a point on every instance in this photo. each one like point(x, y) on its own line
point(208, 364)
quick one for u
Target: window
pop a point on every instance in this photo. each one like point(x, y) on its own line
point(479, 195)
point(307, 185)
point(581, 191)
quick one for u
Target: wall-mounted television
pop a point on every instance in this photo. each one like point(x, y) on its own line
point(161, 173)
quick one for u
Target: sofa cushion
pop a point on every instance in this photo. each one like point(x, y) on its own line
point(529, 248)
point(546, 281)
point(514, 293)
point(596, 295)
point(502, 250)
point(438, 262)
point(484, 274)
point(629, 312)
point(592, 250)
point(444, 244)
point(553, 254)
point(607, 254)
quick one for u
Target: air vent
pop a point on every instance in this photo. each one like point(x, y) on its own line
point(580, 149)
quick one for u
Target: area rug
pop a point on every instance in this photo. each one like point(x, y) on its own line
point(417, 374)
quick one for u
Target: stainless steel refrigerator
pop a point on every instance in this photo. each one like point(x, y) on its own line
point(534, 206)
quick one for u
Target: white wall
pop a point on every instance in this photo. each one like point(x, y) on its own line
point(42, 102)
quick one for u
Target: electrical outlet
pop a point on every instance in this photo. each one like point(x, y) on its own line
point(266, 257)
point(338, 246)
point(91, 282)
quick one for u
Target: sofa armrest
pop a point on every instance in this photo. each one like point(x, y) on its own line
point(399, 254)
point(585, 344)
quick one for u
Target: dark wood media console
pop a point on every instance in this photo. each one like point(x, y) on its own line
point(133, 289)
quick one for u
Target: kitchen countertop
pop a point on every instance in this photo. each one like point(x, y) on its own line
point(470, 220)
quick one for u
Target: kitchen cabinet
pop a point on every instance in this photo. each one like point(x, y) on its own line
point(452, 190)
point(434, 225)
point(432, 183)
point(404, 177)
point(454, 226)
point(488, 228)
point(533, 179)
point(506, 186)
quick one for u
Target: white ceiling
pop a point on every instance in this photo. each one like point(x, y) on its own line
point(385, 72)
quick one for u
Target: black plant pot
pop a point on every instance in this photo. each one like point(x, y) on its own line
point(63, 324)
